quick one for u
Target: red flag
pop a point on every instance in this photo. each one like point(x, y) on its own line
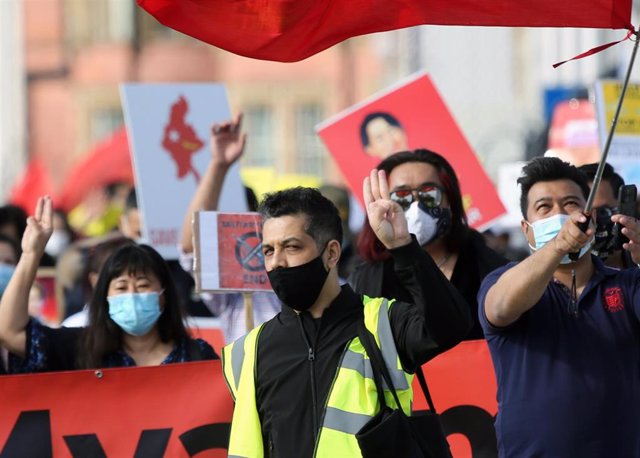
point(292, 30)
point(35, 182)
point(108, 162)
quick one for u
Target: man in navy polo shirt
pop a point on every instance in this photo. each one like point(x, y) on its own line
point(564, 336)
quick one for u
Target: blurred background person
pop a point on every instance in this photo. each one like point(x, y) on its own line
point(62, 236)
point(227, 146)
point(349, 259)
point(13, 222)
point(9, 255)
point(134, 315)
point(426, 187)
point(100, 211)
point(605, 204)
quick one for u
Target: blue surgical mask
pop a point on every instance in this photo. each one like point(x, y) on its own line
point(135, 313)
point(547, 229)
point(6, 272)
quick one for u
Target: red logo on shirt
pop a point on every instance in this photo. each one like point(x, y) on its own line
point(613, 299)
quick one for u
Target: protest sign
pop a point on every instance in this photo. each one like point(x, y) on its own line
point(176, 410)
point(409, 115)
point(228, 252)
point(42, 297)
point(169, 131)
point(182, 410)
point(624, 152)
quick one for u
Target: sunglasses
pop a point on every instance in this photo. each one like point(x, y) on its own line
point(429, 195)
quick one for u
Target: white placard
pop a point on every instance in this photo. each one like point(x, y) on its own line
point(169, 133)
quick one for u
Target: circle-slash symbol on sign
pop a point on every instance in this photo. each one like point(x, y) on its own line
point(249, 251)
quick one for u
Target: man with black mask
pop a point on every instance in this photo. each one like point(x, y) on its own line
point(605, 204)
point(300, 380)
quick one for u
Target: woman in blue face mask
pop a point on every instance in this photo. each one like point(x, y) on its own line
point(134, 315)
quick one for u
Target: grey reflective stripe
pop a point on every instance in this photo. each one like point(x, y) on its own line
point(346, 422)
point(357, 362)
point(236, 456)
point(237, 359)
point(388, 348)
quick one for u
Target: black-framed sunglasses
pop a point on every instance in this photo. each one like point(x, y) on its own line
point(429, 194)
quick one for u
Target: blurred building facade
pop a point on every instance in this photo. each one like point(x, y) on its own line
point(77, 52)
point(63, 76)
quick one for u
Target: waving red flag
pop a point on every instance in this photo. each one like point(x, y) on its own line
point(292, 30)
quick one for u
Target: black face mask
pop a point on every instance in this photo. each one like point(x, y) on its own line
point(604, 243)
point(299, 287)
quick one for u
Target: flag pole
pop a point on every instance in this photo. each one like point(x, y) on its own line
point(598, 177)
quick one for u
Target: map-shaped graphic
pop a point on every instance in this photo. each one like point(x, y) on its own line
point(180, 139)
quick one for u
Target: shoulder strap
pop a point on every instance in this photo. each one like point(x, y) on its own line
point(425, 389)
point(377, 364)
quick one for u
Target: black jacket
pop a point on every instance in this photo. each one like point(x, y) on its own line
point(475, 261)
point(298, 355)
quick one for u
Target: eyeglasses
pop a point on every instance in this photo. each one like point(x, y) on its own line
point(429, 195)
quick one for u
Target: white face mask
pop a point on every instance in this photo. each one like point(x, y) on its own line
point(545, 230)
point(427, 225)
point(57, 243)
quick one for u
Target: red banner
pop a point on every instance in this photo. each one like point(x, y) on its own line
point(183, 410)
point(176, 410)
point(292, 30)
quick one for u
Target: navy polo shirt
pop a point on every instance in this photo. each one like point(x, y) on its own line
point(569, 386)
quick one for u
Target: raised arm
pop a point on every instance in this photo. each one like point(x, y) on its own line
point(14, 310)
point(439, 316)
point(522, 286)
point(227, 146)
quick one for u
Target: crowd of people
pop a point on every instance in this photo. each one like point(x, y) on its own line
point(562, 325)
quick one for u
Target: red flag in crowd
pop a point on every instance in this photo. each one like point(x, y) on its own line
point(292, 30)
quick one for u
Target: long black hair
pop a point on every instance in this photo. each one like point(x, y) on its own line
point(103, 336)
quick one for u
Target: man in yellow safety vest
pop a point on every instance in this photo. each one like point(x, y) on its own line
point(302, 381)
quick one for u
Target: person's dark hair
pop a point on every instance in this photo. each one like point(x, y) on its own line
point(372, 250)
point(14, 216)
point(103, 336)
point(391, 120)
point(132, 201)
point(97, 256)
point(252, 200)
point(548, 169)
point(15, 246)
point(323, 220)
point(608, 174)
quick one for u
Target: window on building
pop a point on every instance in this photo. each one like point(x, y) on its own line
point(103, 122)
point(310, 153)
point(88, 22)
point(258, 121)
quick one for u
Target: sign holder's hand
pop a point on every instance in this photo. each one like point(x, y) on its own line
point(386, 217)
point(227, 143)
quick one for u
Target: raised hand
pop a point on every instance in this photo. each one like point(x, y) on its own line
point(385, 216)
point(227, 143)
point(39, 228)
point(631, 230)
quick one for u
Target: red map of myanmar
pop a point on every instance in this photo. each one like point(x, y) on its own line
point(180, 139)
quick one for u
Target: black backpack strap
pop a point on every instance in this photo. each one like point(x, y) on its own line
point(425, 389)
point(377, 364)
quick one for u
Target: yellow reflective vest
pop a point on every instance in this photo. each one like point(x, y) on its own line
point(352, 399)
